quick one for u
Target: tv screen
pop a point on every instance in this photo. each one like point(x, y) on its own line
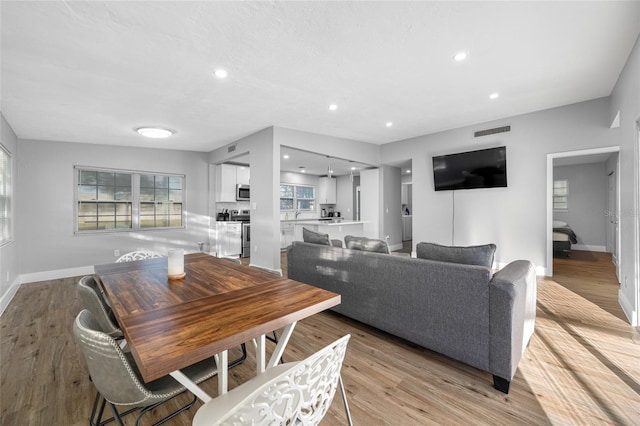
point(486, 168)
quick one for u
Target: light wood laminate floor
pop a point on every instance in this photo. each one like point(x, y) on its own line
point(582, 366)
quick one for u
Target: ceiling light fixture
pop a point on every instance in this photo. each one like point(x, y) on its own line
point(408, 171)
point(286, 156)
point(220, 73)
point(155, 132)
point(458, 57)
point(389, 124)
point(329, 171)
point(494, 96)
point(333, 107)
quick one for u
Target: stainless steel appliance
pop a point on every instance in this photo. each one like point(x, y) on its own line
point(242, 193)
point(244, 216)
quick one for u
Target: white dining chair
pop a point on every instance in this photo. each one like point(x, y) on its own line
point(138, 255)
point(292, 393)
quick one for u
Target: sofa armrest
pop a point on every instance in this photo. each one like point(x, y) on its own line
point(512, 313)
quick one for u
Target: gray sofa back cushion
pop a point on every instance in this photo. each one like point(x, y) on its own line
point(366, 244)
point(309, 236)
point(481, 255)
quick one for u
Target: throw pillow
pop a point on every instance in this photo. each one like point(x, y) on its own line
point(481, 255)
point(366, 244)
point(309, 236)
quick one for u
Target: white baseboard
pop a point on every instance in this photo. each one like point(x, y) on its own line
point(57, 274)
point(627, 308)
point(8, 296)
point(588, 247)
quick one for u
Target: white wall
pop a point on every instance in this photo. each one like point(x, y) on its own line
point(625, 99)
point(587, 203)
point(9, 271)
point(370, 203)
point(391, 214)
point(514, 218)
point(45, 207)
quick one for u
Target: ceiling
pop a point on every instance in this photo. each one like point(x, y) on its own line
point(93, 72)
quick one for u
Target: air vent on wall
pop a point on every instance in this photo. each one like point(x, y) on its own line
point(231, 148)
point(487, 132)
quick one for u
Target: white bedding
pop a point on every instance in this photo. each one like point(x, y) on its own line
point(558, 236)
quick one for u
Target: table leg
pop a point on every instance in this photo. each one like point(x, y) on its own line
point(189, 384)
point(282, 344)
point(222, 361)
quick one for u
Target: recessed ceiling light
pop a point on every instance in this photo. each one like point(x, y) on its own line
point(460, 56)
point(333, 107)
point(353, 168)
point(286, 156)
point(221, 73)
point(494, 96)
point(155, 132)
point(389, 124)
point(408, 171)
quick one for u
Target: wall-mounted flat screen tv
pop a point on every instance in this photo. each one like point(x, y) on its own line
point(485, 168)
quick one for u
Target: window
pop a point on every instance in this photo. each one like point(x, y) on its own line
point(560, 194)
point(5, 196)
point(115, 200)
point(297, 197)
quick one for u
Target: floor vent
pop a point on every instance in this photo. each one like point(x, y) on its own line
point(487, 132)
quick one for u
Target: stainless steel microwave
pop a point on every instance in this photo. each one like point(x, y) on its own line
point(242, 193)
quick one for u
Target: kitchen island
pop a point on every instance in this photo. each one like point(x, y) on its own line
point(336, 228)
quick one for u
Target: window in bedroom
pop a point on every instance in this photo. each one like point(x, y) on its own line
point(5, 196)
point(560, 194)
point(120, 200)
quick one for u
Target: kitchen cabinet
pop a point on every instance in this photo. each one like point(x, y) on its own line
point(407, 228)
point(228, 238)
point(327, 190)
point(242, 175)
point(286, 233)
point(227, 177)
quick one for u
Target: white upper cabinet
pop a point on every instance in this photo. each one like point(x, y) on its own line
point(242, 175)
point(227, 177)
point(327, 190)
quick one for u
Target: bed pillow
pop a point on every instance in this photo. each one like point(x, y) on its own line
point(366, 244)
point(481, 255)
point(559, 224)
point(309, 236)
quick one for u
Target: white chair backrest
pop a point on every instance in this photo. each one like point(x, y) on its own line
point(298, 392)
point(138, 255)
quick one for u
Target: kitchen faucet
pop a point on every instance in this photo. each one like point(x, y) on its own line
point(297, 214)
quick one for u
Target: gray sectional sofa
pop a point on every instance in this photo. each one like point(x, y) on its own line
point(463, 311)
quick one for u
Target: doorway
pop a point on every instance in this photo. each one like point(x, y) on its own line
point(567, 158)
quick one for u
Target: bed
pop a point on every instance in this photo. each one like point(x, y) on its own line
point(563, 237)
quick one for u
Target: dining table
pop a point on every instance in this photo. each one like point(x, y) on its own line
point(170, 324)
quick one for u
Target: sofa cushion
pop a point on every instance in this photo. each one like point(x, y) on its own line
point(366, 244)
point(481, 255)
point(309, 236)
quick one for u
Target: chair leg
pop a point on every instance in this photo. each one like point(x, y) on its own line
point(240, 359)
point(170, 416)
point(93, 421)
point(344, 399)
point(116, 415)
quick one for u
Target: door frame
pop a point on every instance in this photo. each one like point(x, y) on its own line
point(550, 158)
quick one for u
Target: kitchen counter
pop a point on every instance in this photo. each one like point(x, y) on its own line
point(331, 222)
point(337, 228)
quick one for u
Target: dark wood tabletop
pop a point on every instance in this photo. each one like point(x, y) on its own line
point(171, 324)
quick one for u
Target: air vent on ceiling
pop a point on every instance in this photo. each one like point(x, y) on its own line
point(487, 132)
point(231, 148)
